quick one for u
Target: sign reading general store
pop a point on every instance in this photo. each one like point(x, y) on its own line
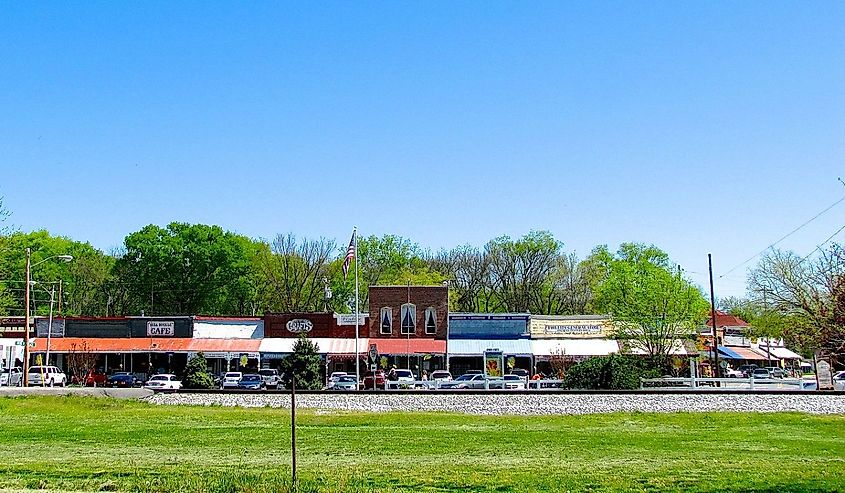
point(567, 326)
point(161, 328)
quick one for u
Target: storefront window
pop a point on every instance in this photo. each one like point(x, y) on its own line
point(409, 318)
point(386, 320)
point(430, 320)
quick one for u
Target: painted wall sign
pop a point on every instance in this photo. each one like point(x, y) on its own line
point(161, 328)
point(573, 329)
point(349, 318)
point(299, 325)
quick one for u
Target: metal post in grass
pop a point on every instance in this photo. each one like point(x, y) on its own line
point(293, 431)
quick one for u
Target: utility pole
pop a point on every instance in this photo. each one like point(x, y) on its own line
point(26, 322)
point(713, 319)
point(293, 431)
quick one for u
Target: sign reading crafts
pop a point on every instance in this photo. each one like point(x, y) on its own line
point(299, 325)
point(568, 326)
point(161, 328)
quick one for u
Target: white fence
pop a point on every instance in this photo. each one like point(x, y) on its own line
point(680, 383)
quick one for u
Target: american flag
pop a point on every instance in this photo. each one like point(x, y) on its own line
point(350, 254)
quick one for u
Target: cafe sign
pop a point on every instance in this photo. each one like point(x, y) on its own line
point(161, 328)
point(299, 325)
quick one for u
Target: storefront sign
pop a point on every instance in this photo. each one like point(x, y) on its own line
point(161, 329)
point(299, 325)
point(493, 363)
point(823, 372)
point(349, 318)
point(573, 329)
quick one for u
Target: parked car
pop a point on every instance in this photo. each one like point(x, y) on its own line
point(345, 382)
point(163, 381)
point(95, 378)
point(12, 377)
point(334, 377)
point(440, 375)
point(747, 370)
point(522, 372)
point(472, 381)
point(760, 373)
point(251, 382)
point(231, 380)
point(839, 381)
point(776, 372)
point(46, 376)
point(515, 382)
point(404, 379)
point(271, 378)
point(379, 380)
point(123, 379)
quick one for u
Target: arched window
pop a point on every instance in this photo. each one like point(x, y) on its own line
point(430, 320)
point(386, 320)
point(409, 318)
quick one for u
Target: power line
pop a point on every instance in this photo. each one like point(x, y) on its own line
point(784, 237)
point(820, 245)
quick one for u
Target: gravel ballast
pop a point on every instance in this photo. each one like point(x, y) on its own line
point(523, 404)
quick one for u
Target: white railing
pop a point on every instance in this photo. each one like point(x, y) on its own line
point(489, 384)
point(669, 383)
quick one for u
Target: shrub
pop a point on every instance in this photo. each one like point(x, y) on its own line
point(305, 363)
point(196, 374)
point(612, 372)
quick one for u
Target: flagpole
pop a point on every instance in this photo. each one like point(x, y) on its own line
point(357, 350)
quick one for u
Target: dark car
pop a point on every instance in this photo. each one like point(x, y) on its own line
point(251, 382)
point(368, 380)
point(124, 379)
point(522, 372)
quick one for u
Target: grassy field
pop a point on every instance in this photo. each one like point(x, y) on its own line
point(91, 444)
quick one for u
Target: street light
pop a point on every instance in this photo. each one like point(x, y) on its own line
point(29, 266)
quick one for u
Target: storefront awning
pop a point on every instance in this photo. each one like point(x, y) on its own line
point(325, 345)
point(574, 347)
point(398, 346)
point(728, 353)
point(780, 353)
point(748, 353)
point(476, 347)
point(114, 345)
point(678, 349)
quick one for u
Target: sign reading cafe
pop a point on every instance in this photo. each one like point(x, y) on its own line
point(299, 325)
point(161, 328)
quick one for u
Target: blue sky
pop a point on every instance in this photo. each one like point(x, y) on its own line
point(699, 127)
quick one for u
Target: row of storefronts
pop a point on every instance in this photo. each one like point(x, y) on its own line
point(406, 326)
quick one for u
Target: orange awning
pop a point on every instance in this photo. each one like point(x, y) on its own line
point(409, 346)
point(144, 345)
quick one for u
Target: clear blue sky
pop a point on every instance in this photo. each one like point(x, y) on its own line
point(699, 127)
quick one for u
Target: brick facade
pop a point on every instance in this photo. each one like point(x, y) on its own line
point(324, 324)
point(422, 297)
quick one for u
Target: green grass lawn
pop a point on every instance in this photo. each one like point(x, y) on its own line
point(72, 443)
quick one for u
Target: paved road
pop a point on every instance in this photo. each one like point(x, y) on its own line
point(83, 391)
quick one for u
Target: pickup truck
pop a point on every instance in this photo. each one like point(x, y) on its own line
point(270, 377)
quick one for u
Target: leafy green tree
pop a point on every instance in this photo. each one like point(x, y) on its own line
point(520, 271)
point(186, 269)
point(305, 363)
point(293, 271)
point(197, 375)
point(652, 305)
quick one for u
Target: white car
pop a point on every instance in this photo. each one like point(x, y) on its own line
point(231, 380)
point(46, 376)
point(839, 381)
point(334, 378)
point(270, 377)
point(731, 373)
point(163, 381)
point(12, 377)
point(514, 382)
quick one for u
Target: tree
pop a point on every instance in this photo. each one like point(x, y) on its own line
point(196, 373)
point(520, 271)
point(468, 270)
point(294, 271)
point(186, 269)
point(305, 363)
point(808, 294)
point(652, 306)
point(80, 360)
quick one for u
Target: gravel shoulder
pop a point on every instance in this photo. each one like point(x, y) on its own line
point(525, 404)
